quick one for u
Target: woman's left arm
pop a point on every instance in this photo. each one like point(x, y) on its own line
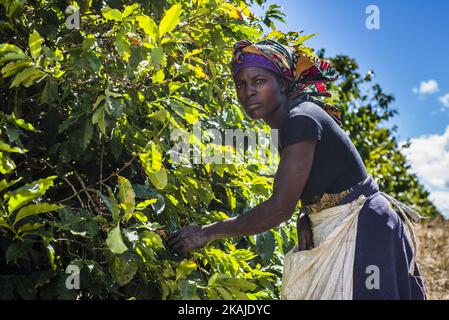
point(291, 176)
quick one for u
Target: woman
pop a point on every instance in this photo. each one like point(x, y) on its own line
point(359, 248)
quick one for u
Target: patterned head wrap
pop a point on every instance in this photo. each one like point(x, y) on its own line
point(307, 73)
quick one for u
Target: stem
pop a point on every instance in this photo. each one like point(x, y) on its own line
point(127, 164)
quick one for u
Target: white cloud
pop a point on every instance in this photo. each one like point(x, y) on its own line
point(441, 200)
point(429, 159)
point(445, 100)
point(426, 87)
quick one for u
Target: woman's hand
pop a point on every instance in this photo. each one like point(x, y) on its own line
point(305, 235)
point(188, 239)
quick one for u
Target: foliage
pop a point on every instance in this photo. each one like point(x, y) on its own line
point(87, 176)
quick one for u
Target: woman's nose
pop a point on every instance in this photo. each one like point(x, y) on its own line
point(250, 91)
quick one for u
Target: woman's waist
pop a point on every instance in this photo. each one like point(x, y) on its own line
point(365, 187)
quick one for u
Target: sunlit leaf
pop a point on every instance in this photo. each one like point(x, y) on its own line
point(35, 44)
point(34, 209)
point(115, 241)
point(185, 268)
point(29, 192)
point(149, 26)
point(159, 179)
point(126, 196)
point(111, 14)
point(170, 19)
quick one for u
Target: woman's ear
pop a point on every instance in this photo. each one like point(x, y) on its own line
point(283, 83)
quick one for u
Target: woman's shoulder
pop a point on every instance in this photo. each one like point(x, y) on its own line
point(309, 109)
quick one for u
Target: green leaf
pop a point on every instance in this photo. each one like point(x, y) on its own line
point(35, 44)
point(130, 9)
point(98, 118)
point(158, 77)
point(6, 48)
point(18, 250)
point(115, 241)
point(149, 26)
point(152, 240)
point(300, 40)
point(184, 269)
point(224, 293)
point(242, 284)
point(126, 196)
point(28, 227)
point(152, 160)
point(93, 60)
point(34, 209)
point(143, 204)
point(50, 92)
point(186, 112)
point(140, 216)
point(51, 256)
point(98, 101)
point(157, 55)
point(4, 184)
point(27, 193)
point(22, 124)
point(109, 93)
point(279, 241)
point(115, 210)
point(266, 244)
point(7, 148)
point(111, 14)
point(88, 42)
point(231, 198)
point(123, 269)
point(238, 294)
point(84, 134)
point(122, 45)
point(13, 7)
point(12, 56)
point(187, 289)
point(13, 67)
point(6, 164)
point(159, 179)
point(170, 19)
point(26, 76)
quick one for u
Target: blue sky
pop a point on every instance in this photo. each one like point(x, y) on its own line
point(410, 50)
point(411, 46)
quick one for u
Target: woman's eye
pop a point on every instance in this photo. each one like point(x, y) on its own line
point(260, 81)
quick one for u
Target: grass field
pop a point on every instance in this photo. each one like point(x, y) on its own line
point(433, 257)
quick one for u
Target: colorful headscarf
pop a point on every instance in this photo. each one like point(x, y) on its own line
point(306, 72)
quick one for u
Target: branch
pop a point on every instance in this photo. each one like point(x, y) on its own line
point(75, 193)
point(98, 211)
point(127, 164)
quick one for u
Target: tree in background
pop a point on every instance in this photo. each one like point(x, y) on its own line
point(87, 176)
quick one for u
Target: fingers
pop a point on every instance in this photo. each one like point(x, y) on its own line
point(177, 242)
point(305, 240)
point(302, 242)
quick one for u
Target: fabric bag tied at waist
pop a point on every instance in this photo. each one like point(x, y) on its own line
point(326, 271)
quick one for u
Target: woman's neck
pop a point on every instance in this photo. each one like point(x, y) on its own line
point(276, 119)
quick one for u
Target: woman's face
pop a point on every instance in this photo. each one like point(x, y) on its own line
point(259, 92)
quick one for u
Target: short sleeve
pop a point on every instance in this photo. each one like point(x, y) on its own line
point(299, 128)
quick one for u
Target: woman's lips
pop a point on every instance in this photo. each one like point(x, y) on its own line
point(253, 106)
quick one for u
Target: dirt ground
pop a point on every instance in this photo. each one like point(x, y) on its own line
point(433, 257)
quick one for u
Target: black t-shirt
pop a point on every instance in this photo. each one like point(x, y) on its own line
point(337, 165)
